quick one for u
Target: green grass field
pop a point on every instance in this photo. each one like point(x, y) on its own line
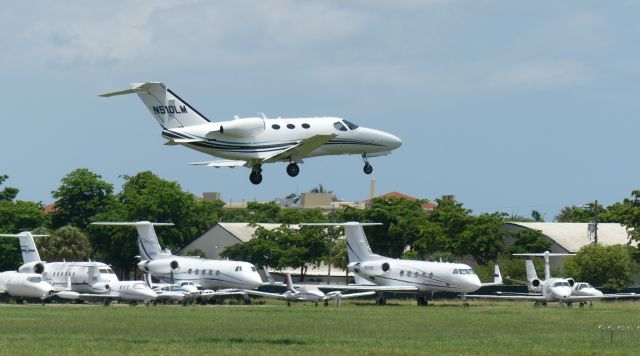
point(362, 328)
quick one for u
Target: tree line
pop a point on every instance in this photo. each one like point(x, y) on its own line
point(445, 232)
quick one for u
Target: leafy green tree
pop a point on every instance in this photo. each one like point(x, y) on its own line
point(482, 238)
point(582, 213)
point(16, 216)
point(81, 195)
point(262, 212)
point(146, 196)
point(628, 214)
point(8, 193)
point(537, 216)
point(66, 243)
point(602, 266)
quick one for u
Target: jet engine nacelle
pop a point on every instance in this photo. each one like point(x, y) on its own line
point(162, 266)
point(571, 281)
point(372, 268)
point(242, 127)
point(32, 267)
point(101, 287)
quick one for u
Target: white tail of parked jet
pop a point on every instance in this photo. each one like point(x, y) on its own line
point(166, 107)
point(531, 270)
point(358, 247)
point(147, 239)
point(27, 246)
point(289, 283)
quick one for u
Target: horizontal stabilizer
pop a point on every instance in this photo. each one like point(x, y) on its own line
point(135, 88)
point(221, 163)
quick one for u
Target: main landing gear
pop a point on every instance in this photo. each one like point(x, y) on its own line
point(368, 169)
point(293, 169)
point(256, 174)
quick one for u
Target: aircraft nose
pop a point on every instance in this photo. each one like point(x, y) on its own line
point(391, 141)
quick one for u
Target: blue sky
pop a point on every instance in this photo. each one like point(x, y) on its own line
point(510, 106)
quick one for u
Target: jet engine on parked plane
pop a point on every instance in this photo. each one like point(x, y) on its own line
point(101, 287)
point(32, 267)
point(242, 127)
point(371, 268)
point(162, 266)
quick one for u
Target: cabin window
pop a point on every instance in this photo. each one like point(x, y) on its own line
point(351, 125)
point(239, 269)
point(291, 126)
point(275, 127)
point(217, 272)
point(196, 272)
point(339, 126)
point(455, 271)
point(189, 271)
point(253, 269)
point(401, 273)
point(306, 126)
point(211, 272)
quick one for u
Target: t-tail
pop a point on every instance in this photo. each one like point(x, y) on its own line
point(547, 266)
point(166, 107)
point(27, 246)
point(147, 238)
point(531, 270)
point(289, 283)
point(358, 248)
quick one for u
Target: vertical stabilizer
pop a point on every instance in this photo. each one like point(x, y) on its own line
point(166, 107)
point(147, 238)
point(531, 270)
point(289, 283)
point(357, 245)
point(27, 246)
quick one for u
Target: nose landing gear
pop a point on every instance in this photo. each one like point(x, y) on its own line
point(367, 167)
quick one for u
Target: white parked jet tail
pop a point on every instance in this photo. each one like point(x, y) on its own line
point(547, 266)
point(147, 238)
point(289, 283)
point(357, 245)
point(531, 270)
point(166, 107)
point(27, 246)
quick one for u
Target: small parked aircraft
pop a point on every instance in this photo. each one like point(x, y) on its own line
point(553, 289)
point(79, 280)
point(254, 141)
point(396, 275)
point(209, 274)
point(307, 293)
point(25, 285)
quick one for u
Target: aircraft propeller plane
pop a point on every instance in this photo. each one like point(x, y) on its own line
point(254, 141)
point(308, 293)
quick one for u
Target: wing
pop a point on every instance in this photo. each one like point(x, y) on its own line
point(266, 294)
point(302, 149)
point(221, 163)
point(535, 298)
point(355, 295)
point(368, 288)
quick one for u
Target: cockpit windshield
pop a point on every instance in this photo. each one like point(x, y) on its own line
point(106, 270)
point(339, 126)
point(463, 271)
point(350, 124)
point(561, 284)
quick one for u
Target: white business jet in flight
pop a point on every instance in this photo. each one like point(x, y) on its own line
point(308, 293)
point(79, 280)
point(553, 289)
point(254, 141)
point(398, 275)
point(209, 274)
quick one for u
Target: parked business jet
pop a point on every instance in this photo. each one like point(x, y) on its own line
point(79, 280)
point(25, 285)
point(210, 274)
point(254, 141)
point(308, 293)
point(421, 277)
point(553, 289)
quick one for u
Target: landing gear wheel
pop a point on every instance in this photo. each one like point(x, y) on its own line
point(255, 177)
point(293, 169)
point(381, 301)
point(367, 168)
